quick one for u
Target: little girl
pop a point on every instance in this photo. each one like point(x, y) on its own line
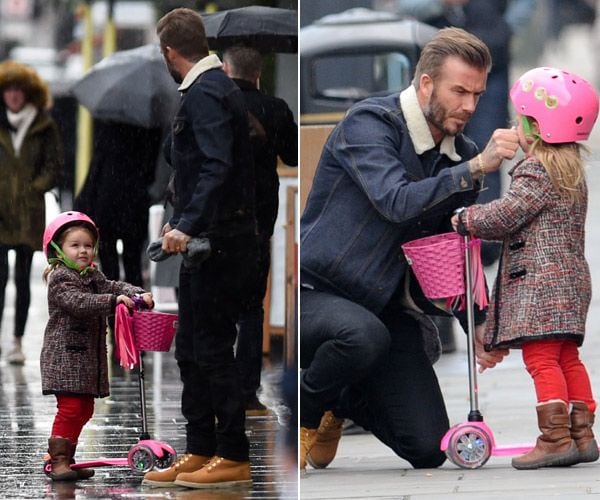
point(74, 360)
point(542, 292)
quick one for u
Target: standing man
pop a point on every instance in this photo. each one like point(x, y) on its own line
point(244, 66)
point(393, 170)
point(210, 152)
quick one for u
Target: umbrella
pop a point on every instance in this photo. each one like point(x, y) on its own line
point(268, 29)
point(130, 86)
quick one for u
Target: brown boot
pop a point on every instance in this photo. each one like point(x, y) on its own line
point(166, 478)
point(60, 455)
point(554, 447)
point(82, 472)
point(218, 473)
point(307, 439)
point(326, 441)
point(582, 420)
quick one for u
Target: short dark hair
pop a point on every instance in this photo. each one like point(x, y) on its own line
point(245, 62)
point(183, 30)
point(452, 42)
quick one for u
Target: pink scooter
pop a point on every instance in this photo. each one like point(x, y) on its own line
point(148, 453)
point(470, 444)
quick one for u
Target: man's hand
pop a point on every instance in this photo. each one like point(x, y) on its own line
point(486, 359)
point(175, 241)
point(503, 145)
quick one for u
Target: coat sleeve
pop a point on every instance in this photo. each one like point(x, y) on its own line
point(287, 137)
point(213, 132)
point(528, 194)
point(367, 147)
point(52, 162)
point(66, 292)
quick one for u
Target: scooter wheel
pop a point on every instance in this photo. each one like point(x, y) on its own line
point(47, 467)
point(140, 458)
point(469, 447)
point(164, 462)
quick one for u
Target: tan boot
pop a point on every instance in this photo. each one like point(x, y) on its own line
point(307, 439)
point(582, 420)
point(166, 478)
point(82, 472)
point(326, 441)
point(59, 450)
point(554, 447)
point(218, 473)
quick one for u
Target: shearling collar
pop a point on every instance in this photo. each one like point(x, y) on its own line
point(209, 62)
point(418, 129)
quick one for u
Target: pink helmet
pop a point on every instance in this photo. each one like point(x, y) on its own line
point(564, 105)
point(62, 221)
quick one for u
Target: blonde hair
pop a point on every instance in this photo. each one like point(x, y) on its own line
point(565, 166)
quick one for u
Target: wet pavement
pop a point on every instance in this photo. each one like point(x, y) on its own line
point(26, 418)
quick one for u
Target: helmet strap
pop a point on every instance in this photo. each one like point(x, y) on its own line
point(63, 259)
point(530, 136)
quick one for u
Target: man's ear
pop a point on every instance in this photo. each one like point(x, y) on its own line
point(426, 85)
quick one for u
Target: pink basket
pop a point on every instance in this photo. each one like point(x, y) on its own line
point(438, 262)
point(154, 331)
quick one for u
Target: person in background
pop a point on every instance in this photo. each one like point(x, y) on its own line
point(116, 194)
point(213, 197)
point(244, 66)
point(393, 170)
point(31, 159)
point(543, 288)
point(73, 360)
point(495, 22)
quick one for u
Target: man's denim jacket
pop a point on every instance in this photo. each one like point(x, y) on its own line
point(370, 194)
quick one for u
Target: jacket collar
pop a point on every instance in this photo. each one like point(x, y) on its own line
point(419, 130)
point(209, 62)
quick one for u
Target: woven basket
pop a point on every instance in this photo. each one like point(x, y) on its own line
point(438, 263)
point(154, 331)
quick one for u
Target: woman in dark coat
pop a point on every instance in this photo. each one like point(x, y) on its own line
point(116, 194)
point(31, 160)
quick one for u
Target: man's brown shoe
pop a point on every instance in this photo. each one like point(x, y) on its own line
point(307, 438)
point(166, 478)
point(218, 473)
point(326, 441)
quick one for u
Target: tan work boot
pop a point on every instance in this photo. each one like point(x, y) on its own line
point(166, 478)
point(307, 439)
point(326, 441)
point(218, 473)
point(554, 447)
point(582, 420)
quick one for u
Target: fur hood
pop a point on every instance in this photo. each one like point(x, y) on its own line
point(36, 90)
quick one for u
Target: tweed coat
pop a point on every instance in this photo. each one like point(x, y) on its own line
point(74, 356)
point(25, 178)
point(543, 286)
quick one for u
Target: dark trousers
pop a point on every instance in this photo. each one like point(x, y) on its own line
point(210, 300)
point(22, 273)
point(248, 354)
point(133, 249)
point(373, 370)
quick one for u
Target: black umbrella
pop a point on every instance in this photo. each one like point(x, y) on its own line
point(130, 86)
point(267, 29)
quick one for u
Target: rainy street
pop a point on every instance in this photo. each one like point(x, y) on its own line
point(26, 418)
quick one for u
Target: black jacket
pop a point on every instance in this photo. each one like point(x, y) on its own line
point(209, 149)
point(281, 131)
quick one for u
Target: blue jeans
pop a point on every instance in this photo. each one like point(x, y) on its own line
point(373, 370)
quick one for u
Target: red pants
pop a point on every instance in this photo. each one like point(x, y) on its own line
point(73, 413)
point(557, 372)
